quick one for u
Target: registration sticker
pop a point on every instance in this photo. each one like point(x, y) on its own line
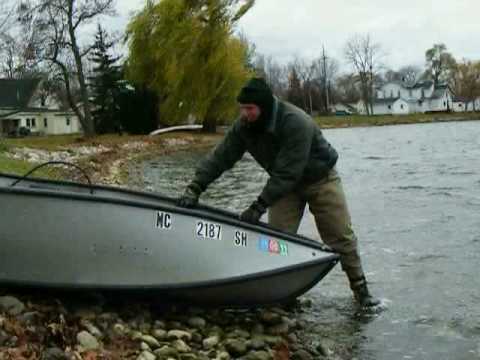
point(208, 230)
point(272, 246)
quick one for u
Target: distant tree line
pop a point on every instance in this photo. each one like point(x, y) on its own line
point(186, 61)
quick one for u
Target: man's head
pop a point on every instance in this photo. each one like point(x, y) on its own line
point(256, 101)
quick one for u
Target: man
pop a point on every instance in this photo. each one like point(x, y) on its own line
point(286, 142)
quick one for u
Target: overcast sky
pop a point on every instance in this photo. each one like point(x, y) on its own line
point(403, 28)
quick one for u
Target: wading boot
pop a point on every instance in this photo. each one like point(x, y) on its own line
point(362, 295)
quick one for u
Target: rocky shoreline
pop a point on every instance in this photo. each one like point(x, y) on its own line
point(50, 327)
point(45, 327)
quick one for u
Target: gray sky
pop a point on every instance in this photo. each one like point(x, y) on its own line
point(404, 29)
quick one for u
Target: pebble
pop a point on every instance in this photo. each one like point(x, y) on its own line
point(146, 355)
point(179, 334)
point(11, 305)
point(211, 342)
point(150, 340)
point(87, 341)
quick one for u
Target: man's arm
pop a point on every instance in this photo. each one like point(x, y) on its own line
point(220, 159)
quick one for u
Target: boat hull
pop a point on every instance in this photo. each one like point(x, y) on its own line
point(64, 235)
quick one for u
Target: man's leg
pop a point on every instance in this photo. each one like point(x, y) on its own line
point(286, 213)
point(327, 202)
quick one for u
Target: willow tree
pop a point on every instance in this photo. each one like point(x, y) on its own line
point(185, 51)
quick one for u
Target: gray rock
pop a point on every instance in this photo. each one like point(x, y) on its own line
point(197, 337)
point(165, 352)
point(223, 355)
point(135, 335)
point(159, 324)
point(87, 341)
point(292, 338)
point(92, 329)
point(301, 355)
point(238, 334)
point(3, 338)
point(10, 305)
point(151, 341)
point(179, 334)
point(256, 344)
point(279, 329)
point(28, 318)
point(197, 322)
point(210, 342)
point(120, 329)
point(188, 357)
point(145, 355)
point(270, 317)
point(258, 329)
point(144, 347)
point(159, 334)
point(181, 346)
point(325, 347)
point(236, 347)
point(258, 355)
point(54, 354)
point(269, 339)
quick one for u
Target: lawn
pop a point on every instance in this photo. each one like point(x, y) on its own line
point(361, 120)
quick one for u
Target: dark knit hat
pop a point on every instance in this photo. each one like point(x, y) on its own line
point(256, 91)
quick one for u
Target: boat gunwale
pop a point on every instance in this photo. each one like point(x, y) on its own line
point(203, 211)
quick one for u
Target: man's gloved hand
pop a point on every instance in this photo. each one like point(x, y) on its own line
point(254, 212)
point(190, 196)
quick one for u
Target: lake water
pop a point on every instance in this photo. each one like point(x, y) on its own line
point(414, 196)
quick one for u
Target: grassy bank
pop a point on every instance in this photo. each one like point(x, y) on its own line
point(381, 120)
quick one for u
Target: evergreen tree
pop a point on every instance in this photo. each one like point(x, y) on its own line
point(106, 85)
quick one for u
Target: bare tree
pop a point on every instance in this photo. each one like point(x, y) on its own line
point(55, 26)
point(365, 57)
point(467, 81)
point(275, 74)
point(347, 88)
point(7, 14)
point(305, 71)
point(409, 74)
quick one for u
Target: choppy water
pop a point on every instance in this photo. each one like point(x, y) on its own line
point(414, 195)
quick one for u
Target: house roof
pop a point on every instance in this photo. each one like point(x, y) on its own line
point(17, 93)
point(422, 84)
point(386, 101)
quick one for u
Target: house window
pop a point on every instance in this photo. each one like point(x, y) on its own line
point(444, 103)
point(460, 105)
point(34, 123)
point(401, 106)
point(28, 122)
point(45, 122)
point(398, 93)
point(390, 107)
point(68, 121)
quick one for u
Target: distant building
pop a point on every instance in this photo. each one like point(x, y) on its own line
point(344, 109)
point(24, 104)
point(461, 104)
point(398, 98)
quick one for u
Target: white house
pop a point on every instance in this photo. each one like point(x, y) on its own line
point(397, 98)
point(461, 104)
point(23, 104)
